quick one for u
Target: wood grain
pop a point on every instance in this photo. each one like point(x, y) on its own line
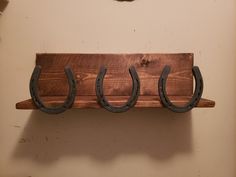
point(117, 80)
point(53, 85)
point(91, 101)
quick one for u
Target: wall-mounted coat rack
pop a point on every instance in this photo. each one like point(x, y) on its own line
point(116, 82)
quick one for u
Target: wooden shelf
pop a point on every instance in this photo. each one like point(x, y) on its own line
point(53, 85)
point(91, 101)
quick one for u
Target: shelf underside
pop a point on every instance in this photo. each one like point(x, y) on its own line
point(91, 101)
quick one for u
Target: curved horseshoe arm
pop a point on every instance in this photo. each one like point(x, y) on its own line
point(131, 101)
point(195, 98)
point(37, 100)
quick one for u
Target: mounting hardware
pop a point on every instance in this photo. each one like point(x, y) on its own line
point(195, 98)
point(37, 100)
point(133, 98)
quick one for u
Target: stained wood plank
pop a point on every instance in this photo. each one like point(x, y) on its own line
point(53, 85)
point(117, 81)
point(91, 101)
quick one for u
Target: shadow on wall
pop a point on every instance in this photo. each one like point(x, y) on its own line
point(103, 136)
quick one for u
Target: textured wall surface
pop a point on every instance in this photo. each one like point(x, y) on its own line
point(140, 143)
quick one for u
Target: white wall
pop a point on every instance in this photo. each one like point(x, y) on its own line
point(140, 143)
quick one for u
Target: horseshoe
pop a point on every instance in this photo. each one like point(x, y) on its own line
point(131, 101)
point(195, 98)
point(37, 100)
